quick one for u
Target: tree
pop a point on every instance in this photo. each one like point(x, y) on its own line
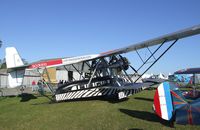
point(0, 43)
point(3, 64)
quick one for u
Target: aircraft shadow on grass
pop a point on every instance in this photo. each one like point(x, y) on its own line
point(148, 116)
point(135, 129)
point(110, 100)
point(26, 97)
point(107, 99)
point(144, 99)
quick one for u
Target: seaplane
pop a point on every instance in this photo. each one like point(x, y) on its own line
point(107, 74)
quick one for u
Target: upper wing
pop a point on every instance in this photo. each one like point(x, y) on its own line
point(73, 60)
point(166, 38)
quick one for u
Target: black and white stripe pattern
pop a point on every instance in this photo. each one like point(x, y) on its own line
point(94, 92)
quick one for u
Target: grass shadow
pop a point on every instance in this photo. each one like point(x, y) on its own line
point(144, 99)
point(67, 101)
point(143, 115)
point(135, 129)
point(26, 97)
point(108, 99)
point(44, 103)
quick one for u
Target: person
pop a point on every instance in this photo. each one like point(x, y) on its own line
point(33, 82)
point(44, 83)
point(33, 85)
point(40, 87)
point(61, 81)
point(65, 82)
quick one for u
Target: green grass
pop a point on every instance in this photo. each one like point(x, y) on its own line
point(134, 113)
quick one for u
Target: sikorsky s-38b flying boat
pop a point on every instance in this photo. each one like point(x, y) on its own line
point(103, 74)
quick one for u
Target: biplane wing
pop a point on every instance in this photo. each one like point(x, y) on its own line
point(72, 60)
point(14, 61)
point(159, 40)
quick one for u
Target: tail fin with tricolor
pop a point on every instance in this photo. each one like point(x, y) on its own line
point(169, 102)
point(163, 102)
point(15, 67)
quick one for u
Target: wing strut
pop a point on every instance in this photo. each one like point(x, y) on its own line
point(43, 83)
point(94, 72)
point(152, 54)
point(139, 56)
point(155, 60)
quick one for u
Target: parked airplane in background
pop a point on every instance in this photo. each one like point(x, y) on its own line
point(170, 105)
point(154, 78)
point(103, 74)
point(187, 76)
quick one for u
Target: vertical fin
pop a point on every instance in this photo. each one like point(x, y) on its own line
point(13, 62)
point(13, 58)
point(163, 101)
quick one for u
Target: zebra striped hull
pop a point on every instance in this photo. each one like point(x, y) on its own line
point(114, 92)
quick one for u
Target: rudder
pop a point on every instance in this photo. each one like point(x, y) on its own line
point(163, 105)
point(13, 58)
point(15, 67)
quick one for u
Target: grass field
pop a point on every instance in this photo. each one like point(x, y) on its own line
point(133, 114)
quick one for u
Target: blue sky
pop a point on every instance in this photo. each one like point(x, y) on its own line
point(42, 29)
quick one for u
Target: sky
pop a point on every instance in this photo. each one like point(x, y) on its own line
point(42, 29)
